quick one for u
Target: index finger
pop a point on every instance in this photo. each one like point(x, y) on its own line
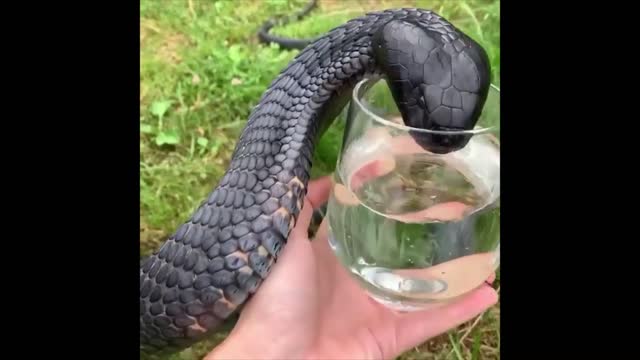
point(319, 190)
point(318, 194)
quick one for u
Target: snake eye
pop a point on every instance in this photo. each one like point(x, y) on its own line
point(422, 102)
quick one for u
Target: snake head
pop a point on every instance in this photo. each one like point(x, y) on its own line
point(438, 76)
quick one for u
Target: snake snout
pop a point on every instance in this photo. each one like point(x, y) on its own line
point(440, 143)
point(439, 122)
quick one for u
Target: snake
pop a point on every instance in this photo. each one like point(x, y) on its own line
point(207, 270)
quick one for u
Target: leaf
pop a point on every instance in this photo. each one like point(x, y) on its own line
point(146, 129)
point(218, 6)
point(235, 54)
point(159, 108)
point(167, 138)
point(454, 344)
point(217, 143)
point(202, 142)
point(477, 341)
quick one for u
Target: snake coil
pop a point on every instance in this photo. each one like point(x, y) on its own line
point(284, 42)
point(216, 260)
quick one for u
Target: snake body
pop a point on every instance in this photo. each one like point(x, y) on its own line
point(216, 260)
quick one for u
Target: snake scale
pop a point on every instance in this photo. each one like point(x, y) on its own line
point(216, 260)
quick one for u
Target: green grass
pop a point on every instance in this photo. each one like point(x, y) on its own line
point(202, 70)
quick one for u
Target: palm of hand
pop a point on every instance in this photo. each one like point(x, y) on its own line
point(310, 307)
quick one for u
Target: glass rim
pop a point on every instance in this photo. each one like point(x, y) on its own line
point(356, 99)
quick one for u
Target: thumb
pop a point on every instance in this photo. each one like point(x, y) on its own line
point(413, 329)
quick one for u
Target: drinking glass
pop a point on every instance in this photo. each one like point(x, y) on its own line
point(415, 228)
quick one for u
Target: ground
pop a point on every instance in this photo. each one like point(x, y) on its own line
point(201, 72)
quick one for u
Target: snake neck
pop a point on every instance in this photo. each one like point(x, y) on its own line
point(306, 97)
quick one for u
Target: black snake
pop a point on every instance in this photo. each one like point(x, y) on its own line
point(210, 267)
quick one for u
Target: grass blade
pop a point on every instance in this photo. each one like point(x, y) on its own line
point(454, 344)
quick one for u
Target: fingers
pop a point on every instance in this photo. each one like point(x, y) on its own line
point(319, 190)
point(491, 278)
point(296, 262)
point(317, 195)
point(304, 219)
point(413, 329)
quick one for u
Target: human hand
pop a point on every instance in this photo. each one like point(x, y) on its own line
point(310, 307)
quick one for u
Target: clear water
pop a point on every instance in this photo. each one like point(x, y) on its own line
point(426, 232)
